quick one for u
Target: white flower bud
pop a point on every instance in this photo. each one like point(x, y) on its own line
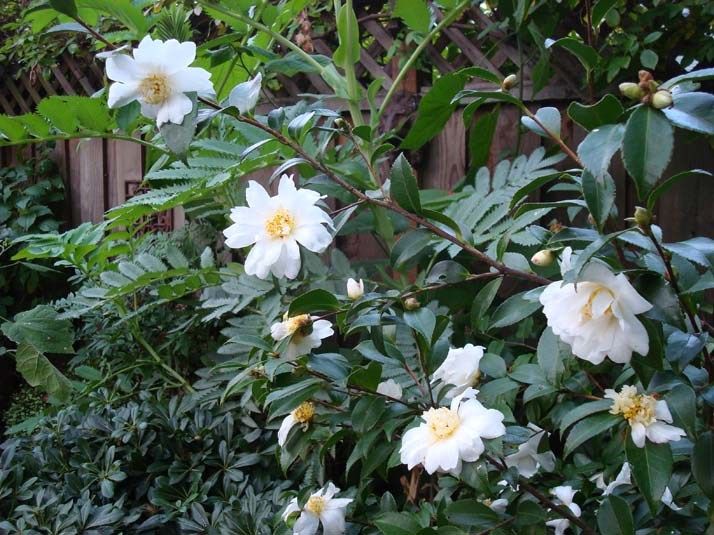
point(244, 96)
point(390, 388)
point(662, 99)
point(543, 258)
point(509, 82)
point(355, 289)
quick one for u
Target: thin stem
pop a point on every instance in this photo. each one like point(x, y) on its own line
point(88, 135)
point(140, 338)
point(544, 500)
point(564, 147)
point(417, 52)
point(353, 88)
point(98, 36)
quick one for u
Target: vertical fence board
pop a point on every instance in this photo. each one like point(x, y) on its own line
point(124, 164)
point(91, 180)
point(445, 162)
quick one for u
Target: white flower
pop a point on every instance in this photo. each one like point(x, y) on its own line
point(668, 500)
point(321, 508)
point(596, 317)
point(646, 416)
point(355, 289)
point(498, 506)
point(564, 495)
point(158, 76)
point(527, 460)
point(303, 414)
point(390, 388)
point(276, 225)
point(245, 95)
point(450, 435)
point(305, 332)
point(460, 368)
point(622, 478)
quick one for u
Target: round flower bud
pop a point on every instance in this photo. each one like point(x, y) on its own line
point(643, 217)
point(411, 303)
point(509, 82)
point(631, 90)
point(662, 99)
point(543, 258)
point(355, 289)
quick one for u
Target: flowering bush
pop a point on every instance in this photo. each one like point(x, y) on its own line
point(460, 388)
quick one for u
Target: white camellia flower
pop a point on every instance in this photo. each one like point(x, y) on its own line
point(450, 435)
point(245, 95)
point(622, 478)
point(302, 414)
point(460, 369)
point(390, 388)
point(305, 332)
point(527, 460)
point(355, 289)
point(596, 317)
point(321, 508)
point(649, 418)
point(276, 225)
point(158, 76)
point(564, 495)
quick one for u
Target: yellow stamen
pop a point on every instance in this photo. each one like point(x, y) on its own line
point(587, 310)
point(297, 325)
point(635, 408)
point(305, 412)
point(442, 422)
point(154, 89)
point(280, 224)
point(316, 505)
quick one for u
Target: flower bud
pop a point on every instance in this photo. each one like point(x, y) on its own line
point(631, 90)
point(509, 82)
point(643, 217)
point(411, 303)
point(355, 289)
point(662, 99)
point(543, 258)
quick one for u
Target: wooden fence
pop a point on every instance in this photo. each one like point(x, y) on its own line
point(103, 173)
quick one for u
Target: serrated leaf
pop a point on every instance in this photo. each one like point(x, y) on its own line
point(599, 146)
point(404, 187)
point(599, 194)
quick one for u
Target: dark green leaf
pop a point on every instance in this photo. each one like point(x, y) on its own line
point(397, 524)
point(652, 468)
point(671, 181)
point(599, 194)
point(600, 9)
point(423, 321)
point(703, 463)
point(314, 301)
point(66, 7)
point(647, 147)
point(581, 411)
point(411, 245)
point(481, 137)
point(482, 302)
point(404, 187)
point(513, 310)
point(550, 356)
point(586, 54)
point(682, 404)
point(614, 517)
point(588, 428)
point(414, 13)
point(599, 146)
point(692, 111)
point(347, 53)
point(472, 514)
point(605, 111)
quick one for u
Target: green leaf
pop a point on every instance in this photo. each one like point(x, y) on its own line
point(411, 245)
point(647, 147)
point(11, 128)
point(582, 411)
point(488, 95)
point(607, 110)
point(313, 301)
point(682, 404)
point(652, 468)
point(671, 181)
point(614, 517)
point(481, 304)
point(41, 328)
point(550, 356)
point(586, 255)
point(37, 370)
point(513, 310)
point(472, 514)
point(347, 53)
point(600, 9)
point(700, 74)
point(481, 138)
point(549, 117)
point(368, 410)
point(178, 136)
point(588, 428)
point(66, 7)
point(121, 10)
point(599, 146)
point(446, 271)
point(434, 110)
point(703, 463)
point(423, 321)
point(586, 54)
point(414, 13)
point(692, 111)
point(404, 187)
point(649, 59)
point(599, 194)
point(397, 524)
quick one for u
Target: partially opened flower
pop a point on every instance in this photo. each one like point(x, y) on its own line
point(499, 506)
point(159, 77)
point(649, 418)
point(302, 414)
point(448, 436)
point(460, 369)
point(597, 316)
point(622, 478)
point(527, 460)
point(390, 388)
point(320, 508)
point(245, 95)
point(305, 332)
point(276, 225)
point(355, 289)
point(564, 495)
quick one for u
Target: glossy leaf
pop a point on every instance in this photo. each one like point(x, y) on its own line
point(404, 187)
point(651, 468)
point(599, 194)
point(599, 146)
point(692, 111)
point(607, 110)
point(614, 517)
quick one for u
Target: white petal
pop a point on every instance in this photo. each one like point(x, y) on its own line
point(122, 94)
point(660, 433)
point(560, 525)
point(256, 196)
point(174, 109)
point(240, 235)
point(565, 493)
point(637, 432)
point(662, 411)
point(314, 238)
point(245, 95)
point(192, 79)
point(121, 68)
point(292, 508)
point(307, 524)
point(288, 422)
point(333, 522)
point(261, 258)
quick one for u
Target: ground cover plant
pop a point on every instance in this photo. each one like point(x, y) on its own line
point(511, 366)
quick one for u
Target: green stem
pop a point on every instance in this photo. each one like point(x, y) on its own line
point(353, 88)
point(67, 137)
point(149, 349)
point(451, 17)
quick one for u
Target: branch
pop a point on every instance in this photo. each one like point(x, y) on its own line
point(563, 146)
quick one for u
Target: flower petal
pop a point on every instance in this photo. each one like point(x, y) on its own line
point(121, 94)
point(192, 79)
point(174, 109)
point(122, 68)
